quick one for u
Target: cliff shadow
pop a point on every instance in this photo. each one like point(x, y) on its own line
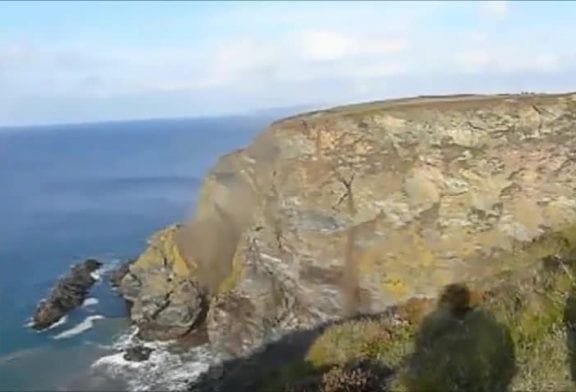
point(266, 369)
point(461, 348)
point(245, 374)
point(456, 347)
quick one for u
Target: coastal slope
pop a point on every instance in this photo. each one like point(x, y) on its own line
point(348, 211)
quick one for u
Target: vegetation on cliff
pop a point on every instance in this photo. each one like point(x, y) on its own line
point(517, 332)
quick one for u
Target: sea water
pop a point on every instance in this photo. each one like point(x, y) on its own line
point(73, 192)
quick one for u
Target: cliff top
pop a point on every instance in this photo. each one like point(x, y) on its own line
point(461, 101)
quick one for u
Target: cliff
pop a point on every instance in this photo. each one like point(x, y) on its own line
point(517, 333)
point(348, 211)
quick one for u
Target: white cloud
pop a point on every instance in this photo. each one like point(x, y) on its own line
point(379, 69)
point(473, 61)
point(233, 61)
point(322, 45)
point(325, 45)
point(299, 57)
point(495, 9)
point(383, 44)
point(307, 55)
point(506, 60)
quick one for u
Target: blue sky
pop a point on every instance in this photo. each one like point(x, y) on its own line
point(94, 61)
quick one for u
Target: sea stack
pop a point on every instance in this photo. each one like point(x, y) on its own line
point(68, 293)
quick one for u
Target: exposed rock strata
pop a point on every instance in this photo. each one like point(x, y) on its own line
point(70, 291)
point(116, 275)
point(167, 301)
point(351, 210)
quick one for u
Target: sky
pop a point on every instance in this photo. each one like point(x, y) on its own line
point(72, 61)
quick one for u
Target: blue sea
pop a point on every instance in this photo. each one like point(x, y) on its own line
point(72, 192)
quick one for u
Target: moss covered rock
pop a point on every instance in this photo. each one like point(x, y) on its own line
point(167, 300)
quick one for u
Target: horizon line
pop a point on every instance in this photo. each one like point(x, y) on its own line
point(247, 113)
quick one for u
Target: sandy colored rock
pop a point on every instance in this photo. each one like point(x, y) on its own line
point(351, 210)
point(166, 299)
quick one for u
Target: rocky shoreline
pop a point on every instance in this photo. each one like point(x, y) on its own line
point(117, 274)
point(72, 289)
point(370, 210)
point(173, 304)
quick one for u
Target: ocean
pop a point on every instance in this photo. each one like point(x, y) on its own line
point(73, 192)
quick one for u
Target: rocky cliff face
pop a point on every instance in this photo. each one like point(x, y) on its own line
point(167, 301)
point(350, 210)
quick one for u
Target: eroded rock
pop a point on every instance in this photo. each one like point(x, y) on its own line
point(138, 353)
point(166, 300)
point(118, 274)
point(351, 210)
point(68, 293)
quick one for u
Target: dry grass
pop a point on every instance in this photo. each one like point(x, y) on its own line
point(462, 101)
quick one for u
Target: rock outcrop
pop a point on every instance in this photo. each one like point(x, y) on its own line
point(137, 353)
point(350, 210)
point(70, 291)
point(167, 301)
point(117, 274)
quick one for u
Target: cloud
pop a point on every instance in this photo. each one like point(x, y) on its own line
point(325, 45)
point(319, 45)
point(238, 59)
point(302, 56)
point(285, 56)
point(507, 60)
point(495, 9)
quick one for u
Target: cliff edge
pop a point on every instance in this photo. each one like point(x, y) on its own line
point(348, 211)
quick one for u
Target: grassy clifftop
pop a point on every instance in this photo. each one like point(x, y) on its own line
point(426, 102)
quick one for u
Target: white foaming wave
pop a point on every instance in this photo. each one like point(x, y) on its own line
point(104, 269)
point(85, 325)
point(162, 371)
point(58, 323)
point(97, 345)
point(63, 320)
point(128, 339)
point(90, 302)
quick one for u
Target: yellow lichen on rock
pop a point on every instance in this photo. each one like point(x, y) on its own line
point(354, 209)
point(162, 247)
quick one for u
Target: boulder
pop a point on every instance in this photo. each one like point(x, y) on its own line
point(138, 353)
point(69, 292)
